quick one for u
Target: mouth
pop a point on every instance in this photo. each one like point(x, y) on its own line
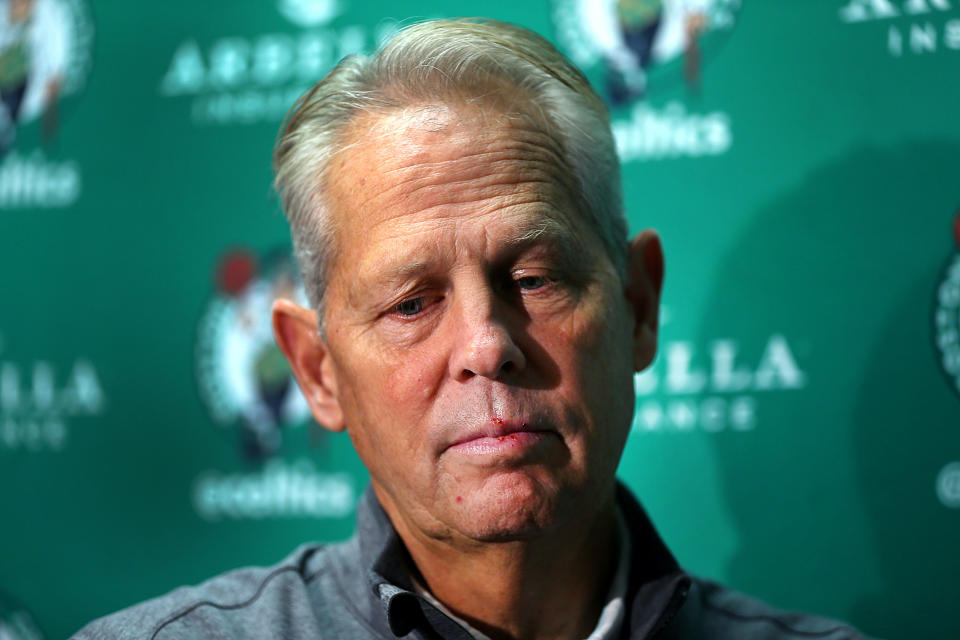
point(501, 437)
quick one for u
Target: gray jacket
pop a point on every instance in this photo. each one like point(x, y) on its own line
point(361, 589)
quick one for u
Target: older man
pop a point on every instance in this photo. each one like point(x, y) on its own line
point(477, 317)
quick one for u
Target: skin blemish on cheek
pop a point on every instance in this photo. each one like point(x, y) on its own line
point(459, 498)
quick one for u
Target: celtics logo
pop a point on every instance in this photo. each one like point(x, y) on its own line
point(641, 43)
point(45, 48)
point(946, 331)
point(244, 379)
point(946, 315)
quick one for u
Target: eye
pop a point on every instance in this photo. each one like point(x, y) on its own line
point(410, 307)
point(531, 283)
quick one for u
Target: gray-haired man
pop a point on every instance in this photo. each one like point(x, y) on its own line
point(478, 315)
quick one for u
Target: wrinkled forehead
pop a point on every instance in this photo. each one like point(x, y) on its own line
point(429, 155)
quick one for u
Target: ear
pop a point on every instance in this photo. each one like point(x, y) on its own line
point(644, 282)
point(297, 335)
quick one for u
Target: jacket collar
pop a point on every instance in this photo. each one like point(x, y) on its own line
point(656, 589)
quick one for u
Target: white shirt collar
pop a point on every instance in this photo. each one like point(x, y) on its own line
point(611, 617)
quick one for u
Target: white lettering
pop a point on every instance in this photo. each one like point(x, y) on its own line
point(31, 181)
point(279, 490)
point(894, 41)
point(671, 132)
point(778, 369)
point(33, 434)
point(83, 393)
point(648, 417)
point(726, 377)
point(244, 106)
point(187, 72)
point(270, 60)
point(273, 60)
point(923, 38)
point(920, 6)
point(682, 414)
point(9, 387)
point(33, 419)
point(717, 133)
point(228, 62)
point(863, 10)
point(743, 414)
point(951, 34)
point(314, 55)
point(711, 414)
point(680, 377)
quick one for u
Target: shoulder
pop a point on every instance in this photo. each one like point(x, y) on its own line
point(244, 603)
point(717, 612)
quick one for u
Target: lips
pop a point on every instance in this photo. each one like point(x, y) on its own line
point(497, 434)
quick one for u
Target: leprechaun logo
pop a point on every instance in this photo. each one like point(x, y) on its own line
point(946, 315)
point(632, 50)
point(641, 43)
point(244, 379)
point(45, 54)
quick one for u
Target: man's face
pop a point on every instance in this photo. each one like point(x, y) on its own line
point(478, 335)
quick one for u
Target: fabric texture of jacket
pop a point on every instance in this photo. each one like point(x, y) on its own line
point(361, 588)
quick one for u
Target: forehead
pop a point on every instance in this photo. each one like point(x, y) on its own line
point(441, 162)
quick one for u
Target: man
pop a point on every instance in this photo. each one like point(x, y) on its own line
point(477, 318)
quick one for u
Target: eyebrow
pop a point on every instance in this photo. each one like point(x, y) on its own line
point(550, 231)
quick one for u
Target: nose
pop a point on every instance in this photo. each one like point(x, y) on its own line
point(484, 344)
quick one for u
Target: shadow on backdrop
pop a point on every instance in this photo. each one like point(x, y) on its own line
point(833, 493)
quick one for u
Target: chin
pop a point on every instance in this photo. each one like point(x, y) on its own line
point(510, 506)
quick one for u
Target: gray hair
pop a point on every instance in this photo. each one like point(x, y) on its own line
point(439, 61)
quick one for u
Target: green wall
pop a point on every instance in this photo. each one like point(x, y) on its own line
point(798, 436)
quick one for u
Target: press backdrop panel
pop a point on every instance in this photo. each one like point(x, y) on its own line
point(798, 436)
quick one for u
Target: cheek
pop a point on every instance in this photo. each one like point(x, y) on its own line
point(597, 341)
point(598, 372)
point(412, 377)
point(389, 394)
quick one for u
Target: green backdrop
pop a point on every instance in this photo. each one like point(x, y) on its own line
point(798, 436)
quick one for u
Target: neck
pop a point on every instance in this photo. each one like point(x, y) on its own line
point(552, 587)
